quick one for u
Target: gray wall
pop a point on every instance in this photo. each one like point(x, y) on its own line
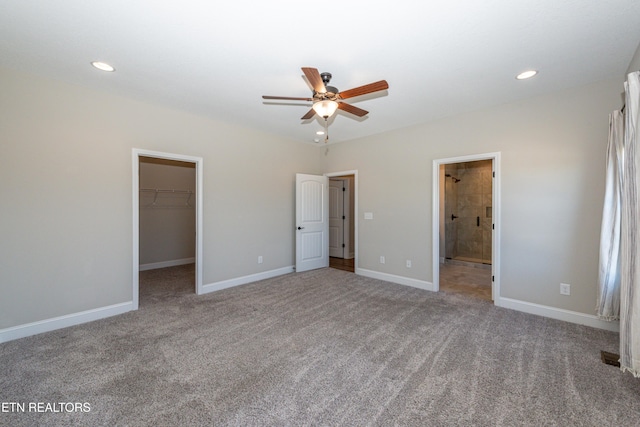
point(66, 184)
point(65, 179)
point(552, 150)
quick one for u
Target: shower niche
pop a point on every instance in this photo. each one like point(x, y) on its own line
point(468, 211)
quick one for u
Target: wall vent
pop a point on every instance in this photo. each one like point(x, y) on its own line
point(610, 358)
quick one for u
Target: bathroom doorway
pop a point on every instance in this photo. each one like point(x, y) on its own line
point(466, 211)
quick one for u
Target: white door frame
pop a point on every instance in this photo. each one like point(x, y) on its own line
point(355, 219)
point(495, 211)
point(135, 184)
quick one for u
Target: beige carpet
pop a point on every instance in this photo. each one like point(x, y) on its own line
point(324, 347)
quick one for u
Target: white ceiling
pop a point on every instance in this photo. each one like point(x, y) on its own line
point(440, 57)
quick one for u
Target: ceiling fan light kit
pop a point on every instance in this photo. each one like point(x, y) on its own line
point(326, 108)
point(327, 99)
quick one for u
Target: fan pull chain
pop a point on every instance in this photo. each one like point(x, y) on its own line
point(326, 130)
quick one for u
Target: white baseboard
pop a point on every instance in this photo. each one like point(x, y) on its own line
point(513, 304)
point(224, 284)
point(558, 314)
point(164, 264)
point(22, 331)
point(400, 280)
point(65, 321)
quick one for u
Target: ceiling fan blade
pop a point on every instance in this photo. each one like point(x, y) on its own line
point(352, 109)
point(313, 75)
point(309, 114)
point(363, 90)
point(288, 98)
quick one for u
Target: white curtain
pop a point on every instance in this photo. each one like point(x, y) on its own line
point(630, 233)
point(608, 306)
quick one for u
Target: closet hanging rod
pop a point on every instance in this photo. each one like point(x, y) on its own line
point(159, 190)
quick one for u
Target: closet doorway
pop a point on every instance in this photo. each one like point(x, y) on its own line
point(167, 225)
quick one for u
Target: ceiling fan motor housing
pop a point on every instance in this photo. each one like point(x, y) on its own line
point(332, 91)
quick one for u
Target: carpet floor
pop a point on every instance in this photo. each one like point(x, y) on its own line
point(323, 347)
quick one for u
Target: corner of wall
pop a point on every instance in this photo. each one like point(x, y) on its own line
point(634, 65)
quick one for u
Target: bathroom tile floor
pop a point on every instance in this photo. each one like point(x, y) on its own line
point(465, 280)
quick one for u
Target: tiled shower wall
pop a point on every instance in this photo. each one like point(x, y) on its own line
point(468, 197)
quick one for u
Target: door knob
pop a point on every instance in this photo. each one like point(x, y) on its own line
point(300, 228)
point(453, 217)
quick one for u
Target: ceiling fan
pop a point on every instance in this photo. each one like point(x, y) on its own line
point(327, 99)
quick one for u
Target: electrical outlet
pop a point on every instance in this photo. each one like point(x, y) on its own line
point(260, 259)
point(382, 259)
point(408, 263)
point(565, 289)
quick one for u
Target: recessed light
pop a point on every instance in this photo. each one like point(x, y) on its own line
point(320, 132)
point(526, 74)
point(102, 66)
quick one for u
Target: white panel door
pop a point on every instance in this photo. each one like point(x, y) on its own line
point(312, 222)
point(336, 218)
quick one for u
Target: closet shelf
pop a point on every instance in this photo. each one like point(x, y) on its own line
point(167, 198)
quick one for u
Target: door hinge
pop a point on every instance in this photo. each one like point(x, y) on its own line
point(344, 189)
point(493, 174)
point(344, 217)
point(343, 245)
point(493, 226)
